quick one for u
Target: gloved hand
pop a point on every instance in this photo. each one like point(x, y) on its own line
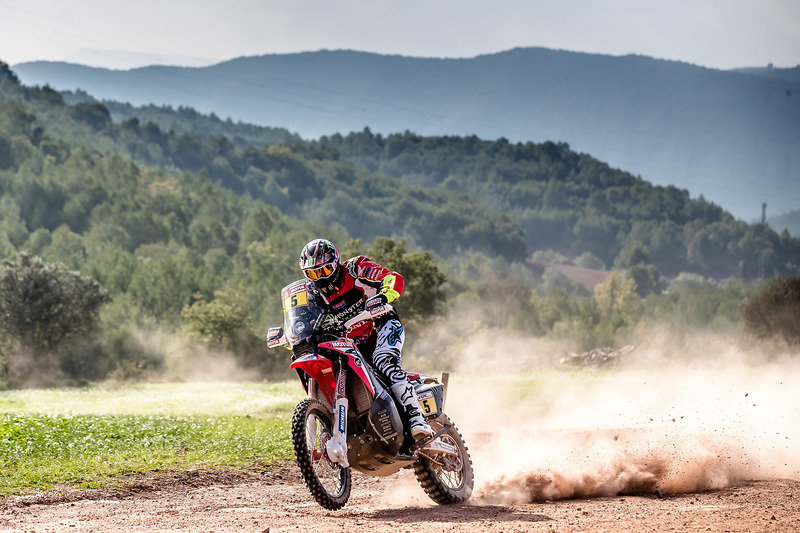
point(376, 302)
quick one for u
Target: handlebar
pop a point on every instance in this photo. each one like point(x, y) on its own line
point(365, 315)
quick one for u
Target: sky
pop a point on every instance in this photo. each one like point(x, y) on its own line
point(720, 34)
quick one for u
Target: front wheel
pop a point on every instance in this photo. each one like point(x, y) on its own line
point(445, 478)
point(328, 482)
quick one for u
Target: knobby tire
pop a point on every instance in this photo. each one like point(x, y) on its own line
point(305, 460)
point(428, 472)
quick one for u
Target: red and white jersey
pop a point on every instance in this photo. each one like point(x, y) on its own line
point(361, 279)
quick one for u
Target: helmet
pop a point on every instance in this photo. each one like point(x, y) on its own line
point(319, 262)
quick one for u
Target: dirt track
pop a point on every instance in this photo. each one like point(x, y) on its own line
point(276, 500)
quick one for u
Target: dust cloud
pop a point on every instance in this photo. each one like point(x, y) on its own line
point(678, 415)
point(189, 359)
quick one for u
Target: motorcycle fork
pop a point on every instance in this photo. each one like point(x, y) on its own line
point(340, 402)
point(313, 388)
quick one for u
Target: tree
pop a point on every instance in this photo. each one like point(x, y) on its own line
point(43, 305)
point(423, 294)
point(223, 319)
point(225, 322)
point(163, 284)
point(589, 260)
point(646, 278)
point(507, 303)
point(637, 260)
point(633, 254)
point(617, 305)
point(775, 310)
point(95, 115)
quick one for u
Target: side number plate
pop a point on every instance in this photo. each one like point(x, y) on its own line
point(428, 406)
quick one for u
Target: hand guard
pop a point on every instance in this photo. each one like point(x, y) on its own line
point(276, 338)
point(376, 302)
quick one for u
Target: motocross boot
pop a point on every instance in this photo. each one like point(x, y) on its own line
point(406, 396)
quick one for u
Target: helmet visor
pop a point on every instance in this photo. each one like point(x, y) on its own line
point(316, 273)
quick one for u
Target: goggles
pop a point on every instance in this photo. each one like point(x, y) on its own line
point(319, 272)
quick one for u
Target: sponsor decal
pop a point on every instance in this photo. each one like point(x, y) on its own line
point(394, 335)
point(424, 395)
point(340, 344)
point(339, 305)
point(342, 420)
point(294, 288)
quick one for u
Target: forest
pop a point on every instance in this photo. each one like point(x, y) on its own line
point(707, 130)
point(573, 204)
point(145, 219)
point(561, 200)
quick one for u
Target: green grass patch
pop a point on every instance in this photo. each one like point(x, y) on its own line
point(182, 399)
point(88, 436)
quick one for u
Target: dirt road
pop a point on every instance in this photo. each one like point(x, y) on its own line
point(276, 500)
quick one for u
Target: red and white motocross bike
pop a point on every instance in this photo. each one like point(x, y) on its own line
point(350, 419)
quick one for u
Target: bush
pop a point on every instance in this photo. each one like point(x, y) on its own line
point(224, 322)
point(646, 278)
point(221, 320)
point(43, 305)
point(114, 353)
point(775, 311)
point(589, 260)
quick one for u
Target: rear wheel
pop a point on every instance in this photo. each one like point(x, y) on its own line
point(328, 482)
point(445, 478)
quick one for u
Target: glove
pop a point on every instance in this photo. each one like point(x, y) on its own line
point(377, 301)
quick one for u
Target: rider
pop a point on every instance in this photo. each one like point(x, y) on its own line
point(350, 287)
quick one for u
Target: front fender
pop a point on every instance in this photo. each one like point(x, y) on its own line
point(354, 360)
point(321, 370)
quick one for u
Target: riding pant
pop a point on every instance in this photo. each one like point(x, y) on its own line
point(388, 348)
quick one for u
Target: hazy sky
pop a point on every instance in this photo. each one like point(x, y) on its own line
point(713, 33)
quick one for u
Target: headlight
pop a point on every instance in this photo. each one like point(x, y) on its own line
point(299, 327)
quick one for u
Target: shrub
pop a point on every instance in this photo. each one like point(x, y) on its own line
point(775, 310)
point(43, 305)
point(222, 319)
point(224, 322)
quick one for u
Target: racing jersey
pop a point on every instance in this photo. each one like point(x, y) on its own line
point(360, 279)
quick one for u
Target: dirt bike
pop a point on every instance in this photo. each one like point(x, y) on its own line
point(350, 421)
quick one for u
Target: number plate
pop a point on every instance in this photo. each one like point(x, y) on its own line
point(295, 300)
point(428, 406)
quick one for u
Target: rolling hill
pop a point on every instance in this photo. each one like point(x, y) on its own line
point(452, 195)
point(731, 136)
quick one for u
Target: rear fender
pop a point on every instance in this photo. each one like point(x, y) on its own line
point(321, 370)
